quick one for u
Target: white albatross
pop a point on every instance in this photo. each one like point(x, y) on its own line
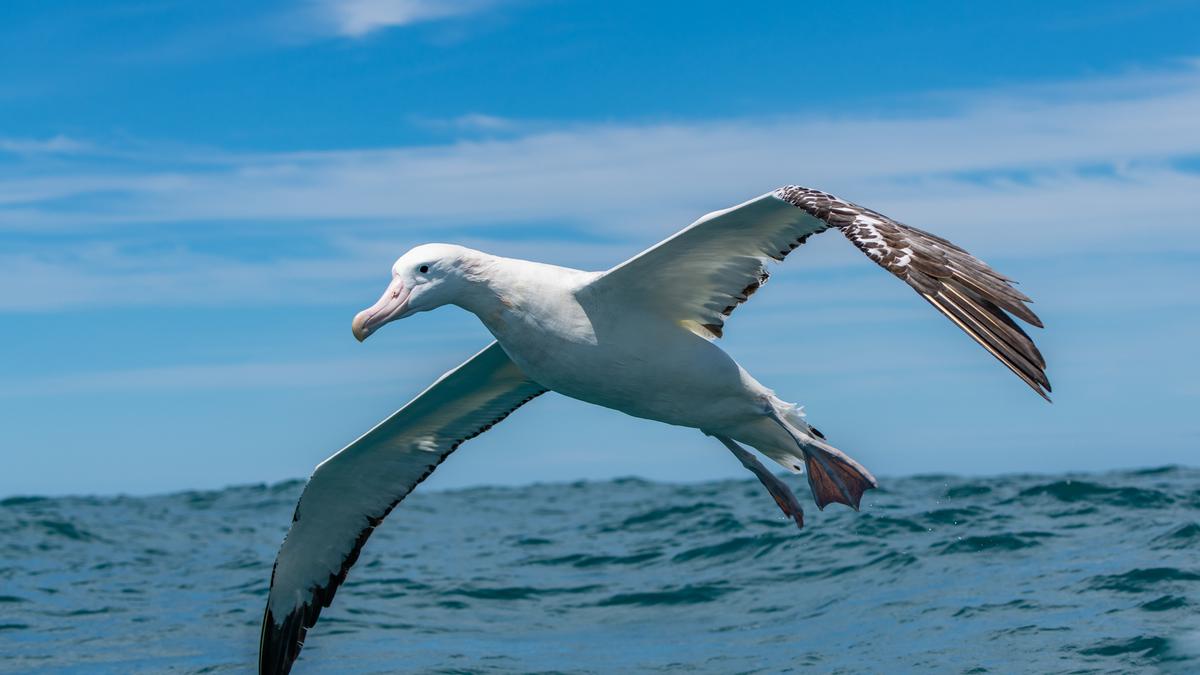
point(638, 339)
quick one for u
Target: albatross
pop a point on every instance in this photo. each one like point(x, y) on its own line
point(638, 338)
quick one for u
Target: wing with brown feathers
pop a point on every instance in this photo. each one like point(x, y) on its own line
point(702, 273)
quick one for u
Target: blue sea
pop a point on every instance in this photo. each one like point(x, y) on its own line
point(1094, 573)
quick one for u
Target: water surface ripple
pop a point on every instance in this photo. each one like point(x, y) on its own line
point(1052, 574)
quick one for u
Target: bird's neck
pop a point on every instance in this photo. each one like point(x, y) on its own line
point(502, 290)
point(488, 283)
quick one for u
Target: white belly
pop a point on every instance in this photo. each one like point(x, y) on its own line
point(641, 366)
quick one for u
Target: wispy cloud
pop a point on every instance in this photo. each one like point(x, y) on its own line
point(54, 145)
point(472, 122)
point(1082, 168)
point(356, 18)
point(224, 376)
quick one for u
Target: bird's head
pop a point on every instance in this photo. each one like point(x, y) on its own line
point(425, 278)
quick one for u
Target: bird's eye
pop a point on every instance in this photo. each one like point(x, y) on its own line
point(424, 269)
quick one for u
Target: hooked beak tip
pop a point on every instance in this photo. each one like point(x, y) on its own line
point(359, 329)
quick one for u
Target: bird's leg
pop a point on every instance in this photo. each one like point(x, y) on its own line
point(832, 474)
point(779, 490)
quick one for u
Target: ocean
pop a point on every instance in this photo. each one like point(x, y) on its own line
point(1095, 573)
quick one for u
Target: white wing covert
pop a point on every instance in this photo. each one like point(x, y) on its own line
point(351, 492)
point(701, 274)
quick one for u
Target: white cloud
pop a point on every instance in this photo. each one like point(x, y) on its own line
point(356, 18)
point(1080, 169)
point(279, 375)
point(471, 122)
point(58, 144)
point(588, 174)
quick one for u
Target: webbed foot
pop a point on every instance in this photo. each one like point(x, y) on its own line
point(835, 477)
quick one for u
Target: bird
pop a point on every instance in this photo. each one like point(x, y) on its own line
point(639, 338)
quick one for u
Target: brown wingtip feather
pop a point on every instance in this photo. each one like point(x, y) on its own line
point(1004, 352)
point(977, 298)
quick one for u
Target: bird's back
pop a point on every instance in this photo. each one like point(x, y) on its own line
point(589, 346)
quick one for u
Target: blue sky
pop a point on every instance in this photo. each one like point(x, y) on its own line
point(196, 198)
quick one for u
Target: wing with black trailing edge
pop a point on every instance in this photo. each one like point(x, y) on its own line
point(699, 275)
point(350, 493)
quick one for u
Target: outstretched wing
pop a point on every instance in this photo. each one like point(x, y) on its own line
point(702, 273)
point(351, 492)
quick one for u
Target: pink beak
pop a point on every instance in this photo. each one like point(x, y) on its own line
point(391, 306)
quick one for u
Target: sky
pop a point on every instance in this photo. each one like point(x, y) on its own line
point(197, 197)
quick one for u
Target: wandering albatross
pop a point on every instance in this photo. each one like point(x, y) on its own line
point(637, 338)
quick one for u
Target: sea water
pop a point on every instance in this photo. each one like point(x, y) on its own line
point(1048, 574)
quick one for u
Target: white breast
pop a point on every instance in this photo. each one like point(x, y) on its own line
point(617, 356)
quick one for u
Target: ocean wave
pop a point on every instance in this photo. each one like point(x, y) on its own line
point(1085, 491)
point(1182, 537)
point(1141, 579)
point(1035, 573)
point(683, 595)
